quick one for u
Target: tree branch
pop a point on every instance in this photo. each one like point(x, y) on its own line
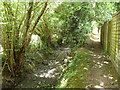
point(39, 17)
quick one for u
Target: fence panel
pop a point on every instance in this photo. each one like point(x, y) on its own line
point(110, 39)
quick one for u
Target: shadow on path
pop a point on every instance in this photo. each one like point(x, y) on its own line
point(102, 73)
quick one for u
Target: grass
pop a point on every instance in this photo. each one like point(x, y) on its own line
point(75, 73)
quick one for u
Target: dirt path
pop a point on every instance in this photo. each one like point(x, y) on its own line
point(101, 73)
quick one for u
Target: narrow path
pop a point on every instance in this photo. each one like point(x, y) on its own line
point(94, 69)
point(102, 73)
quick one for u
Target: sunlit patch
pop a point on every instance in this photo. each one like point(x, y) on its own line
point(99, 56)
point(85, 68)
point(94, 55)
point(36, 75)
point(55, 36)
point(63, 70)
point(42, 75)
point(56, 62)
point(69, 57)
point(100, 66)
point(49, 74)
point(94, 4)
point(1, 49)
point(95, 40)
point(97, 86)
point(104, 76)
point(106, 62)
point(2, 22)
point(101, 84)
point(98, 62)
point(34, 39)
point(94, 61)
point(51, 71)
point(104, 56)
point(65, 60)
point(110, 77)
point(63, 82)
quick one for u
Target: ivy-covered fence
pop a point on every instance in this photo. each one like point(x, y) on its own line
point(110, 39)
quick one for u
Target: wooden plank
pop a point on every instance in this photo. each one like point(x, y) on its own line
point(114, 57)
point(114, 39)
point(116, 23)
point(114, 51)
point(114, 45)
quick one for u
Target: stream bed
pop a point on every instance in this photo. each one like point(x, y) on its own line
point(47, 73)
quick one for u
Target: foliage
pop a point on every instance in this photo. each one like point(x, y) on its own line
point(77, 18)
point(55, 24)
point(117, 5)
point(19, 24)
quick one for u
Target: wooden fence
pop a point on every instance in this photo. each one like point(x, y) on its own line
point(110, 39)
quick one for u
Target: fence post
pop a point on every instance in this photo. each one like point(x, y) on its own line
point(119, 49)
point(101, 35)
point(109, 36)
point(105, 34)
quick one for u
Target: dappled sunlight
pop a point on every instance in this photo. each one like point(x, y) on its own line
point(97, 86)
point(85, 68)
point(95, 36)
point(53, 63)
point(99, 56)
point(109, 77)
point(51, 71)
point(100, 78)
point(102, 84)
point(95, 40)
point(56, 63)
point(100, 65)
point(104, 76)
point(106, 62)
point(1, 52)
point(1, 49)
point(34, 39)
point(49, 74)
point(63, 83)
point(94, 54)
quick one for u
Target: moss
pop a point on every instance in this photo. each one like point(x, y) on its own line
point(75, 72)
